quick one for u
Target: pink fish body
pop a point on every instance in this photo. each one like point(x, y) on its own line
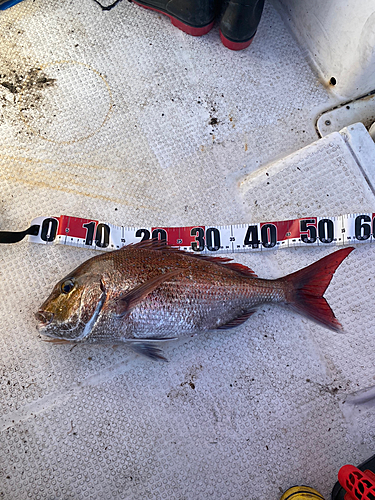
point(149, 292)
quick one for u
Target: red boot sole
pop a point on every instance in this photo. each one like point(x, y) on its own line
point(235, 45)
point(190, 30)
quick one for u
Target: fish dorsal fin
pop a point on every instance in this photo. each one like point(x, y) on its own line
point(160, 245)
point(240, 268)
point(150, 244)
point(237, 321)
point(137, 294)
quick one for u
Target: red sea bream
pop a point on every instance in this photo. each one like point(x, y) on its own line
point(147, 293)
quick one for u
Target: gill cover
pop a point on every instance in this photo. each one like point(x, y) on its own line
point(70, 310)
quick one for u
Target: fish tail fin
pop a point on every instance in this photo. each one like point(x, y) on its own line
point(305, 289)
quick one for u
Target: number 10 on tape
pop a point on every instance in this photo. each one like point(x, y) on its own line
point(306, 231)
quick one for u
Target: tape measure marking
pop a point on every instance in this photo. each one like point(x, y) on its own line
point(307, 231)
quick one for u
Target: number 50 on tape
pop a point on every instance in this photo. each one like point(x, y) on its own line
point(307, 231)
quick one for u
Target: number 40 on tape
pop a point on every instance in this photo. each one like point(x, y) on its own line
point(306, 231)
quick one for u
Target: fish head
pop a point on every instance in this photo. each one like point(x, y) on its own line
point(71, 304)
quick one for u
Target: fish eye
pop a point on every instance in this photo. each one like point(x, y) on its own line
point(67, 286)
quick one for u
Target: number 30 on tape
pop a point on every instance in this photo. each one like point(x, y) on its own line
point(307, 231)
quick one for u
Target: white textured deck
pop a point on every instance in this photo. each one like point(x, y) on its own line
point(146, 125)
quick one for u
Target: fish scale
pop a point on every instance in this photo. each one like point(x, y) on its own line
point(150, 292)
point(204, 295)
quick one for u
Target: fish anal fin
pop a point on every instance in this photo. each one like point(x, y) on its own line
point(237, 321)
point(137, 294)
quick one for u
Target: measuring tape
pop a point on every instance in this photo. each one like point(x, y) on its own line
point(235, 238)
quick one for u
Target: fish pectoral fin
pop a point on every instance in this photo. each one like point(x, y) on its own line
point(132, 298)
point(148, 348)
point(237, 321)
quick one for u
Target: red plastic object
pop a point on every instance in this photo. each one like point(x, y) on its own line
point(190, 30)
point(358, 485)
point(234, 45)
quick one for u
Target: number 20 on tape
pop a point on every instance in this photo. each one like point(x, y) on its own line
point(307, 231)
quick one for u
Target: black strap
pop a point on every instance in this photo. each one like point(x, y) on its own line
point(108, 7)
point(14, 237)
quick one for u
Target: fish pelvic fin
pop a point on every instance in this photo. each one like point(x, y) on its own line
point(305, 289)
point(147, 347)
point(58, 341)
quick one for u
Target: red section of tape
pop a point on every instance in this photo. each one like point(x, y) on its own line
point(288, 229)
point(176, 236)
point(74, 226)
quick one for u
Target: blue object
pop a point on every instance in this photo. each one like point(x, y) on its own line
point(5, 4)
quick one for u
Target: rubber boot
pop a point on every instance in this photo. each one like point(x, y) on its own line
point(301, 493)
point(195, 17)
point(240, 22)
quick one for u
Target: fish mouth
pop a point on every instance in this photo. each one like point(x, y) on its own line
point(44, 318)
